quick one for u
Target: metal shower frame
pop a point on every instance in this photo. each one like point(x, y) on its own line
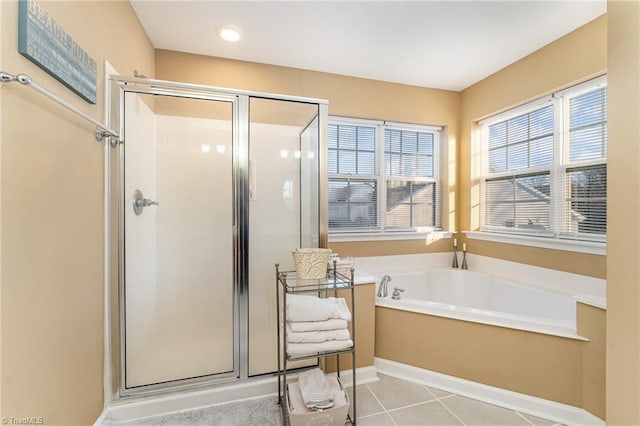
point(240, 100)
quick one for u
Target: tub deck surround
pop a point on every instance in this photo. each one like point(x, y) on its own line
point(478, 297)
point(540, 365)
point(512, 326)
point(585, 289)
point(514, 295)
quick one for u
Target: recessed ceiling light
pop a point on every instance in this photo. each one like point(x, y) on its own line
point(229, 32)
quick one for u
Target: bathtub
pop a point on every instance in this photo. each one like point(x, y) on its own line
point(482, 298)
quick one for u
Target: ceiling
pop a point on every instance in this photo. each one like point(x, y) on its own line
point(439, 44)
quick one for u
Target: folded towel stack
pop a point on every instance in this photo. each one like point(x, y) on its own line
point(316, 336)
point(317, 392)
point(312, 308)
point(317, 325)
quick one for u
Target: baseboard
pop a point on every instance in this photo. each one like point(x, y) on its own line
point(364, 375)
point(101, 418)
point(539, 407)
point(188, 400)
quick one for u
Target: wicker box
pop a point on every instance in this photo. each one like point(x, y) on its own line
point(311, 263)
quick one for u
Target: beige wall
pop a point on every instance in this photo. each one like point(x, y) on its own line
point(592, 324)
point(575, 57)
point(534, 364)
point(592, 265)
point(52, 220)
point(623, 268)
point(348, 96)
point(390, 247)
point(554, 368)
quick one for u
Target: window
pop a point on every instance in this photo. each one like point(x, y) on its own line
point(383, 177)
point(545, 166)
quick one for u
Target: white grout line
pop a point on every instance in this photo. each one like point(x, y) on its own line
point(525, 419)
point(391, 418)
point(371, 415)
point(447, 396)
point(412, 405)
point(449, 410)
point(376, 397)
point(376, 413)
point(429, 390)
point(380, 402)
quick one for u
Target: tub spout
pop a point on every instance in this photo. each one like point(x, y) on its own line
point(382, 288)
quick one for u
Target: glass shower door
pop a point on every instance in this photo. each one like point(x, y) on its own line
point(179, 304)
point(283, 215)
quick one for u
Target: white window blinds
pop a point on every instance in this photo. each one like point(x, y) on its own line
point(353, 185)
point(351, 150)
point(409, 175)
point(522, 142)
point(586, 178)
point(516, 199)
point(588, 126)
point(545, 167)
point(520, 202)
point(586, 202)
point(382, 178)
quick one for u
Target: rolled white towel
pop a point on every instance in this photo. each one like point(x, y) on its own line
point(330, 324)
point(297, 405)
point(296, 349)
point(339, 399)
point(312, 308)
point(316, 336)
point(315, 389)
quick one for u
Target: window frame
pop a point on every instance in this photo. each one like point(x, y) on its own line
point(559, 173)
point(381, 231)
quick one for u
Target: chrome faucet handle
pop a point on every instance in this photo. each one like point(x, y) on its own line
point(396, 293)
point(139, 202)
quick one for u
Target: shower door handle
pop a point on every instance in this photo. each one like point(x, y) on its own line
point(139, 202)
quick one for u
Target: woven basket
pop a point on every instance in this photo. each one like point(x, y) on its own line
point(311, 263)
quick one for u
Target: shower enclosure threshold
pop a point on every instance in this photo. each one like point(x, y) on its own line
point(135, 407)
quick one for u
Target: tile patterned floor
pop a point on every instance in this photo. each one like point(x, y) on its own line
point(390, 401)
point(397, 402)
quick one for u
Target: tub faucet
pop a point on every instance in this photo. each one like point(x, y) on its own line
point(396, 293)
point(382, 289)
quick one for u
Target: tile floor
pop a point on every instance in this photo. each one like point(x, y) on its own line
point(390, 401)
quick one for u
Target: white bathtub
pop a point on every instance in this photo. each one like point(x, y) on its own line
point(478, 297)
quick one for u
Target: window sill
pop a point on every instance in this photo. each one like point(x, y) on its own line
point(548, 243)
point(389, 236)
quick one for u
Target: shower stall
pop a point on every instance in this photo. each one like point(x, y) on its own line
point(207, 189)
